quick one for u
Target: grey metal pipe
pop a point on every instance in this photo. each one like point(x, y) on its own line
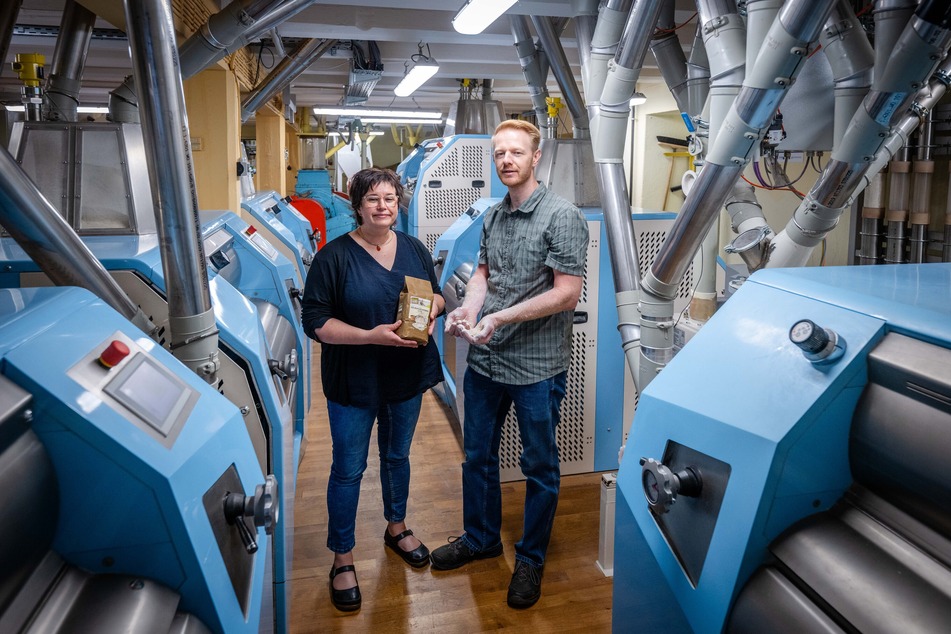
point(278, 16)
point(870, 232)
point(47, 238)
point(193, 334)
point(586, 20)
point(670, 57)
point(227, 31)
point(283, 74)
point(698, 80)
point(873, 209)
point(724, 39)
point(278, 43)
point(9, 11)
point(923, 43)
point(69, 60)
point(563, 75)
point(922, 172)
point(795, 27)
point(852, 60)
point(531, 69)
point(613, 109)
point(211, 41)
point(890, 18)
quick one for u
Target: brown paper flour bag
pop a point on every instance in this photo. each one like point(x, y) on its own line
point(416, 302)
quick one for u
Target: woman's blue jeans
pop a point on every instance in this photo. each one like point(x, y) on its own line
point(350, 430)
point(537, 407)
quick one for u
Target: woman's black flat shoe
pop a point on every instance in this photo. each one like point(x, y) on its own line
point(417, 558)
point(344, 600)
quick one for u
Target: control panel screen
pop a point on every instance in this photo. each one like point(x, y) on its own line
point(151, 392)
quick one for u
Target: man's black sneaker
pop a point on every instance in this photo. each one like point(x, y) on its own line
point(456, 554)
point(526, 585)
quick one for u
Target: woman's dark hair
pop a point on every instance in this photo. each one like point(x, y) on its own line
point(365, 180)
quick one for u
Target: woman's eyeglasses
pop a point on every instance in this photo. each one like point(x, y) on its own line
point(375, 200)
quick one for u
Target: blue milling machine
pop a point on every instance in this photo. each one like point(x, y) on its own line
point(283, 226)
point(139, 503)
point(806, 487)
point(264, 373)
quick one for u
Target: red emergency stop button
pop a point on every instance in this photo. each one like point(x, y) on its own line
point(114, 353)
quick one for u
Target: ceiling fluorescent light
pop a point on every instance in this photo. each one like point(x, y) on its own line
point(403, 121)
point(362, 113)
point(80, 109)
point(424, 67)
point(476, 15)
point(638, 98)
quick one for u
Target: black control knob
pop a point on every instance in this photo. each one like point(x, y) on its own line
point(262, 507)
point(818, 344)
point(808, 336)
point(662, 485)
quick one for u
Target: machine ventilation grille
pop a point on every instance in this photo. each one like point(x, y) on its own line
point(447, 204)
point(584, 285)
point(574, 439)
point(429, 239)
point(449, 166)
point(472, 161)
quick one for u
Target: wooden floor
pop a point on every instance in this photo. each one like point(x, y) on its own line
point(576, 596)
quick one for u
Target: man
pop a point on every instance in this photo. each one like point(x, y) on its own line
point(527, 284)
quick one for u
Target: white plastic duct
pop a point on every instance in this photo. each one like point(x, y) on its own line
point(922, 44)
point(604, 42)
point(852, 60)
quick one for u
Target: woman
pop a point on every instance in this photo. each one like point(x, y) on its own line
point(368, 372)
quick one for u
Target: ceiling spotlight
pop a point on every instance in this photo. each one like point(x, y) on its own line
point(476, 15)
point(424, 67)
point(638, 98)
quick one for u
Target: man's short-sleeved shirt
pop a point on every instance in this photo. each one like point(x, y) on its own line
point(522, 247)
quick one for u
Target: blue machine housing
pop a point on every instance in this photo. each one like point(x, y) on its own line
point(129, 502)
point(458, 246)
point(268, 276)
point(316, 184)
point(283, 226)
point(240, 331)
point(773, 431)
point(445, 176)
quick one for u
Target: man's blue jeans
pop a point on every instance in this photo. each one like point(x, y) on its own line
point(350, 430)
point(537, 408)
